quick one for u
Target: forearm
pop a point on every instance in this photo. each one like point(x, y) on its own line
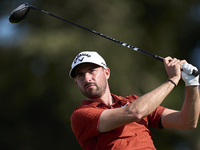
point(146, 104)
point(143, 106)
point(191, 107)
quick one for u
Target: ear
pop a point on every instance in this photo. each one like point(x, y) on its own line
point(107, 73)
point(76, 82)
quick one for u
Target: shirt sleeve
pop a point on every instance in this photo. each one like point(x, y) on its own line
point(155, 117)
point(84, 122)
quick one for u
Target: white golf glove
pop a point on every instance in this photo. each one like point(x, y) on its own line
point(187, 76)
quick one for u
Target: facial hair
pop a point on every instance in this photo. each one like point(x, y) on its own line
point(96, 92)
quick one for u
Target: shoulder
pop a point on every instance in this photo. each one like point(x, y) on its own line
point(86, 111)
point(132, 97)
point(85, 117)
point(129, 98)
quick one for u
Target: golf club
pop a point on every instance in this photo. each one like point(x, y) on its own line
point(21, 12)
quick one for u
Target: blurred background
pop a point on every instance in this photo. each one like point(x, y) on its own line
point(37, 96)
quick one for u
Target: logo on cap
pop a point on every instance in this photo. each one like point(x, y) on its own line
point(82, 54)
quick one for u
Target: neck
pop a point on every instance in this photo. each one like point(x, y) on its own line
point(106, 98)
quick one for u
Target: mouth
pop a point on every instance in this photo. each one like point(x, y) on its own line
point(90, 85)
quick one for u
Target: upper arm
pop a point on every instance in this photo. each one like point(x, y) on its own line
point(113, 118)
point(172, 119)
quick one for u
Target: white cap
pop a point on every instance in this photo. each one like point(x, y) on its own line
point(86, 57)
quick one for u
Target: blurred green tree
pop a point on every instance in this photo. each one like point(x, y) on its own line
point(37, 95)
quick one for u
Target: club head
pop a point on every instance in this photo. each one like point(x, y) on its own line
point(19, 13)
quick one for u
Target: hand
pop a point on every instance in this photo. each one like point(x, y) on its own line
point(187, 76)
point(173, 68)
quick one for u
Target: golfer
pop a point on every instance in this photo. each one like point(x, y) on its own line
point(105, 121)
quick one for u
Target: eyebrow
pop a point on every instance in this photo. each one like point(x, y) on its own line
point(90, 68)
point(93, 67)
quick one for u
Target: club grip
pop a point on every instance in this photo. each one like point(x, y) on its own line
point(195, 73)
point(159, 58)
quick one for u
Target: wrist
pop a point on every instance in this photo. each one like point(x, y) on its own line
point(174, 80)
point(171, 81)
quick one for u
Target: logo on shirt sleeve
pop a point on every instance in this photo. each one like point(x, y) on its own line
point(126, 104)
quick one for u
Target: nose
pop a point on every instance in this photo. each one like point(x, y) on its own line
point(88, 77)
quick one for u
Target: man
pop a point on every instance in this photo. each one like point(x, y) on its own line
point(106, 121)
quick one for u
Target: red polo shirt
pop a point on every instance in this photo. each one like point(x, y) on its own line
point(133, 136)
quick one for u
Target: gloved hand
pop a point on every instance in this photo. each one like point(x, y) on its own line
point(186, 72)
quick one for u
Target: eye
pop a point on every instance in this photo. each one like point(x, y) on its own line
point(92, 70)
point(79, 75)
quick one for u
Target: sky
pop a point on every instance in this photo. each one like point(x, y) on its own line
point(12, 35)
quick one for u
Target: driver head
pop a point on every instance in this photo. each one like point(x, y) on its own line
point(19, 13)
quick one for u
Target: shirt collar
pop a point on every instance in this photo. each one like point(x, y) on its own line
point(117, 99)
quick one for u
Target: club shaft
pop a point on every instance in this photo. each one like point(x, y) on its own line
point(102, 35)
point(195, 72)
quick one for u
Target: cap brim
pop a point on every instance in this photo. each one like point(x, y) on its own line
point(72, 71)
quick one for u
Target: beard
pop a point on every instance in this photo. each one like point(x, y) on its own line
point(95, 92)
